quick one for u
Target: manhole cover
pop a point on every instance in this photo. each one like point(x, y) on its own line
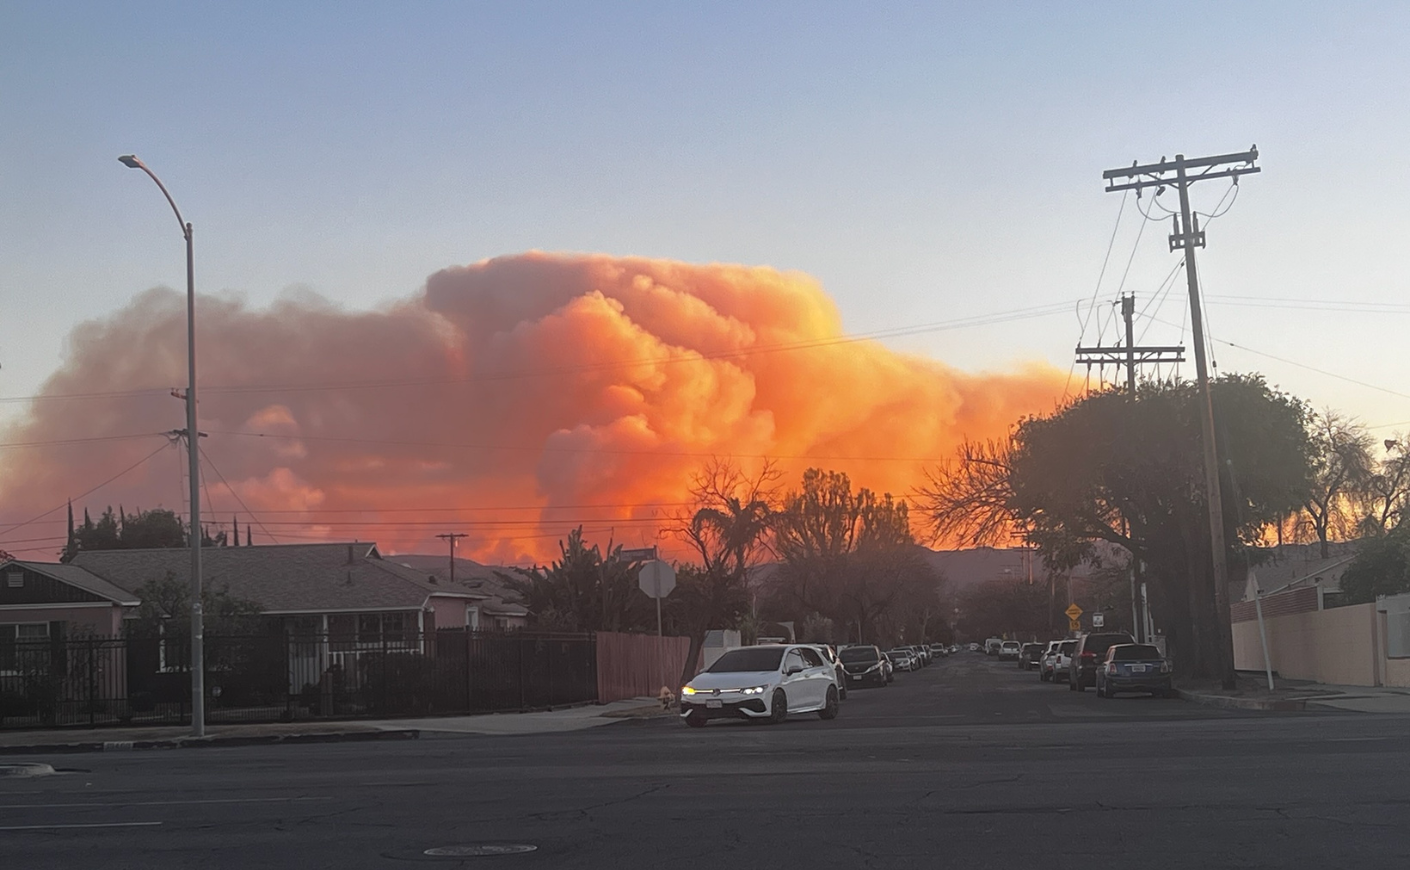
point(475, 850)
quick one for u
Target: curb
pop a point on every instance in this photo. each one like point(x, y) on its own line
point(1280, 705)
point(203, 742)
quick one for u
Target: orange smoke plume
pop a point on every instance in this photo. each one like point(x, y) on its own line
point(512, 399)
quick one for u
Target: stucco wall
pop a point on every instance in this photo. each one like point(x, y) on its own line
point(1398, 672)
point(450, 612)
point(1328, 646)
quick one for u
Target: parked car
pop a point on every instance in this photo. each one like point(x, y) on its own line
point(1008, 650)
point(1048, 660)
point(1134, 667)
point(991, 646)
point(865, 666)
point(1030, 655)
point(922, 653)
point(939, 650)
point(762, 682)
point(1062, 660)
point(830, 655)
point(1091, 649)
point(903, 659)
point(974, 647)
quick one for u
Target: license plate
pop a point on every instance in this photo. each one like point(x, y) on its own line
point(714, 705)
point(1138, 669)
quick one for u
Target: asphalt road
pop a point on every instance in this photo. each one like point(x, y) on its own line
point(968, 763)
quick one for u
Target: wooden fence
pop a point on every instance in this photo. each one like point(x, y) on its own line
point(636, 665)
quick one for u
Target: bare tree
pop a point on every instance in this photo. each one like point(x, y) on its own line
point(1384, 498)
point(968, 500)
point(1341, 469)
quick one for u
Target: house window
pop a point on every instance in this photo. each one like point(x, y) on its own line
point(472, 618)
point(369, 628)
point(14, 579)
point(23, 647)
point(342, 632)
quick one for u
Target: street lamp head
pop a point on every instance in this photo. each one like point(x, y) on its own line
point(130, 161)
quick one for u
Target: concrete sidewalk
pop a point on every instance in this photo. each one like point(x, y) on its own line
point(1291, 695)
point(549, 722)
point(178, 737)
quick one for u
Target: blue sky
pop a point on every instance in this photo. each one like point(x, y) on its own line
point(924, 161)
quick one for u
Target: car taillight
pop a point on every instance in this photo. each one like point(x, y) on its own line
point(1089, 655)
point(1165, 667)
point(1111, 667)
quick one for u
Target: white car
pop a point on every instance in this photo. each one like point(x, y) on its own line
point(762, 682)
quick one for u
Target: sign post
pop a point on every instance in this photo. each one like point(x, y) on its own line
point(1074, 614)
point(657, 579)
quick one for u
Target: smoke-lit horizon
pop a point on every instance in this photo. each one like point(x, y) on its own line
point(510, 399)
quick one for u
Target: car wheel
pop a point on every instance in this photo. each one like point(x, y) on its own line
point(778, 707)
point(1077, 684)
point(829, 710)
point(695, 720)
point(1044, 676)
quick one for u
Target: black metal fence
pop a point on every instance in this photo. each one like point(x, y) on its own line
point(279, 677)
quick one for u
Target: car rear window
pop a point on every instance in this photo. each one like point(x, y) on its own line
point(1067, 647)
point(1135, 652)
point(859, 654)
point(740, 660)
point(1100, 643)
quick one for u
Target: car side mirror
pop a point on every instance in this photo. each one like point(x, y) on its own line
point(793, 669)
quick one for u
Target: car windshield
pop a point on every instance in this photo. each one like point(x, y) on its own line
point(859, 654)
point(1134, 652)
point(741, 660)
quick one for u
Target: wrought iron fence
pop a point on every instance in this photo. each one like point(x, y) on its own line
point(281, 677)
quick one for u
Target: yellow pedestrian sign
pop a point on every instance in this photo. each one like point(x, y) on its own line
point(1073, 611)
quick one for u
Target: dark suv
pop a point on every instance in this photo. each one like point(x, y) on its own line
point(1091, 650)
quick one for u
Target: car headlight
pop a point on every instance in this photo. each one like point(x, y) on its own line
point(753, 690)
point(687, 690)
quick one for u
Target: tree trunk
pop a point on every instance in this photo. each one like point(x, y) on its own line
point(697, 643)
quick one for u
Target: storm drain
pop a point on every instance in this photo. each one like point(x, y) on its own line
point(479, 850)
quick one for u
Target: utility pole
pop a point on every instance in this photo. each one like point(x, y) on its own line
point(1188, 236)
point(452, 537)
point(1132, 356)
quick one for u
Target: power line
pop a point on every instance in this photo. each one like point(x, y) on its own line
point(239, 500)
point(66, 502)
point(64, 442)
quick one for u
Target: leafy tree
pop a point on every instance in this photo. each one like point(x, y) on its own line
point(727, 527)
point(849, 557)
point(1381, 567)
point(166, 609)
point(153, 529)
point(1010, 607)
point(1107, 468)
point(583, 591)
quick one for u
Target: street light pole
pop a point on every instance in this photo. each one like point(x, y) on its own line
point(193, 446)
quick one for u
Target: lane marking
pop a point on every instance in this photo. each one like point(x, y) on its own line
point(162, 803)
point(93, 825)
